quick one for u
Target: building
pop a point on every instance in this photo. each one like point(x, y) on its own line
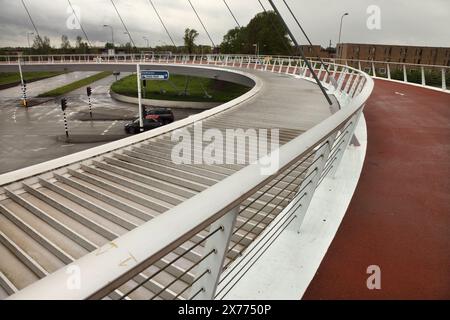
point(394, 53)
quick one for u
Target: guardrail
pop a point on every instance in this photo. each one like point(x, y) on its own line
point(201, 228)
point(430, 76)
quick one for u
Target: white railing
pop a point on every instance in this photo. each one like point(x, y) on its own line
point(320, 150)
point(431, 76)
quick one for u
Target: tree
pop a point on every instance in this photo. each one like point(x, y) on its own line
point(65, 43)
point(81, 46)
point(266, 29)
point(190, 35)
point(234, 41)
point(42, 45)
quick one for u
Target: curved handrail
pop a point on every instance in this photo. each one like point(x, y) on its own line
point(108, 268)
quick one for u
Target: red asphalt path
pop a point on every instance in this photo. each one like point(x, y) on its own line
point(399, 217)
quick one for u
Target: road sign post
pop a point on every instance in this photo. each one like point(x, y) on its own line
point(144, 76)
point(141, 116)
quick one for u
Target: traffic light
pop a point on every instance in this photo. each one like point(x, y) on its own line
point(64, 104)
point(89, 91)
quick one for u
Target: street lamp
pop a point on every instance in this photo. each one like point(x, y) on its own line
point(256, 49)
point(28, 38)
point(340, 34)
point(146, 39)
point(112, 33)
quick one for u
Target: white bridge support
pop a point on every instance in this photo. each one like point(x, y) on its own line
point(205, 288)
point(308, 186)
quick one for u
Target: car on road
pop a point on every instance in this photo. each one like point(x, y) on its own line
point(149, 124)
point(163, 115)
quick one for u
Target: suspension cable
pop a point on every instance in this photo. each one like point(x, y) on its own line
point(31, 20)
point(79, 22)
point(277, 30)
point(306, 36)
point(201, 22)
point(162, 22)
point(123, 23)
point(231, 12)
point(308, 64)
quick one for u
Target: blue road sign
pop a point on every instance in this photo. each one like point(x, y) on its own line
point(154, 75)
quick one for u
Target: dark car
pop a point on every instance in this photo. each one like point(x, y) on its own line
point(149, 124)
point(163, 115)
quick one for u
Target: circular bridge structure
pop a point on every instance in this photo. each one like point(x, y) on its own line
point(126, 221)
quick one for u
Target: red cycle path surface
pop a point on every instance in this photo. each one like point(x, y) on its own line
point(399, 217)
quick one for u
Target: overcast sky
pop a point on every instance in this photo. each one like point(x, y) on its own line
point(409, 22)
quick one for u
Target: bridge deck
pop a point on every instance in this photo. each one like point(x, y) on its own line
point(62, 217)
point(399, 218)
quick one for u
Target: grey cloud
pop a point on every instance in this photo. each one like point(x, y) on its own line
point(411, 22)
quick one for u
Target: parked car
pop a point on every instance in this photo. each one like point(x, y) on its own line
point(149, 124)
point(163, 115)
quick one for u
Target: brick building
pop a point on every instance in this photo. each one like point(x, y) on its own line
point(395, 53)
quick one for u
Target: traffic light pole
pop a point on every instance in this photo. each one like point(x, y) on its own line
point(138, 76)
point(89, 93)
point(63, 108)
point(90, 107)
point(24, 86)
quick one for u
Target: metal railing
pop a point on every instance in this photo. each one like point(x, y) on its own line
point(204, 231)
point(431, 76)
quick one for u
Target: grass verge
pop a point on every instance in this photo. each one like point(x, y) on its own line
point(75, 85)
point(14, 77)
point(198, 89)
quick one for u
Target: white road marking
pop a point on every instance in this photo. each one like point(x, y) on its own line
point(67, 145)
point(400, 94)
point(109, 128)
point(39, 149)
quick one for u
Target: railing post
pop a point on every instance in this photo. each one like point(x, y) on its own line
point(424, 81)
point(388, 68)
point(205, 288)
point(349, 81)
point(405, 75)
point(307, 188)
point(354, 86)
point(444, 80)
point(296, 68)
point(347, 137)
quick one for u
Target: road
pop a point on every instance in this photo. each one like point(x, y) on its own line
point(34, 135)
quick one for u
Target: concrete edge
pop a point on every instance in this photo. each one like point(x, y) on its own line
point(59, 163)
point(166, 103)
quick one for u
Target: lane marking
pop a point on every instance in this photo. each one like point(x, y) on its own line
point(39, 149)
point(400, 94)
point(109, 128)
point(67, 145)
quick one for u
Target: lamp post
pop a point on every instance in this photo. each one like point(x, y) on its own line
point(28, 38)
point(112, 33)
point(256, 45)
point(146, 39)
point(340, 34)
